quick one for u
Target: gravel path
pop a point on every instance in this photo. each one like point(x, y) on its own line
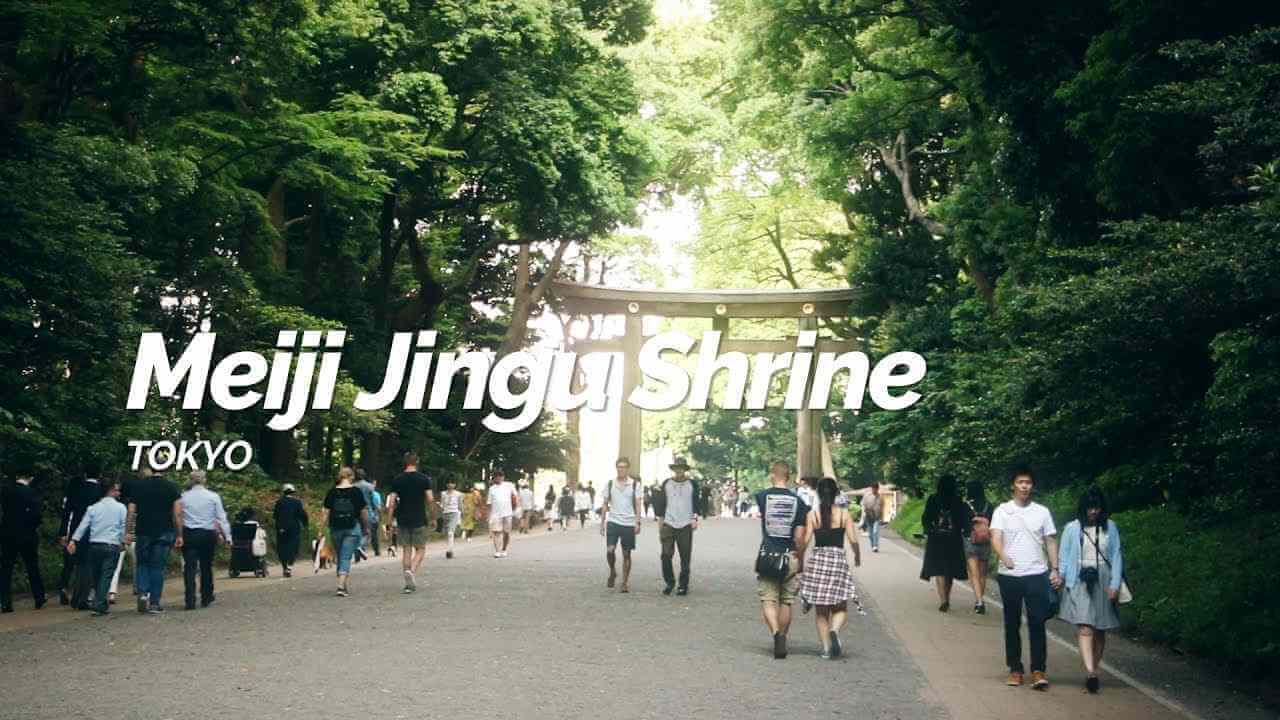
point(532, 635)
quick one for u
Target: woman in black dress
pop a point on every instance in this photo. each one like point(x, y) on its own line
point(945, 520)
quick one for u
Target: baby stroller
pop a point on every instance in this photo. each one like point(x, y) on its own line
point(248, 545)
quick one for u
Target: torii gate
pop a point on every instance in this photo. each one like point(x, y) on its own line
point(719, 305)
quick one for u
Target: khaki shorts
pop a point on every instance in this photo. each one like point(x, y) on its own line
point(411, 537)
point(500, 524)
point(777, 592)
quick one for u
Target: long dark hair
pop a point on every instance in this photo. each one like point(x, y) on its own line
point(977, 495)
point(827, 490)
point(947, 488)
point(1092, 498)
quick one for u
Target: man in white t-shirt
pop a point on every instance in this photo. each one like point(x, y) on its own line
point(527, 506)
point(502, 504)
point(620, 517)
point(1024, 538)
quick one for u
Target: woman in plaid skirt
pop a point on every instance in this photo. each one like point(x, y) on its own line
point(827, 583)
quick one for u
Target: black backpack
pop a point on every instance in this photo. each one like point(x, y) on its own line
point(343, 514)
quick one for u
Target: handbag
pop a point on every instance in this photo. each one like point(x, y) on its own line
point(773, 564)
point(1123, 596)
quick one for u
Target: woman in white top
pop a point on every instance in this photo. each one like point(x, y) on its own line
point(451, 509)
point(582, 505)
point(1092, 573)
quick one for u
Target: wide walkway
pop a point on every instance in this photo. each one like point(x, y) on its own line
point(533, 635)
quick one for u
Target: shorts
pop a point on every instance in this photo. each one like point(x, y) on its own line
point(979, 552)
point(412, 537)
point(779, 592)
point(500, 524)
point(626, 533)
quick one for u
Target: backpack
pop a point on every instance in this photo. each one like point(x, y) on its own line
point(343, 513)
point(981, 534)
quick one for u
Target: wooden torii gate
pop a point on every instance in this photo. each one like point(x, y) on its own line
point(720, 306)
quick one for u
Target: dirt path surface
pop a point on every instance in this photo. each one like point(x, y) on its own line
point(533, 635)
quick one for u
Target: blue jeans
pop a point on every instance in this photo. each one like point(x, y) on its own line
point(346, 542)
point(102, 567)
point(153, 557)
point(873, 532)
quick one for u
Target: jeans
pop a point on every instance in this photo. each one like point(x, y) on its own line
point(370, 541)
point(197, 552)
point(873, 533)
point(345, 542)
point(102, 566)
point(673, 539)
point(1033, 591)
point(11, 548)
point(153, 557)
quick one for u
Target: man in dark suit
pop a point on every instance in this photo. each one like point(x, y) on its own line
point(78, 496)
point(19, 521)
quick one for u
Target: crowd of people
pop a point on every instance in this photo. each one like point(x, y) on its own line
point(809, 544)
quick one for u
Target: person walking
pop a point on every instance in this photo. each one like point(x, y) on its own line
point(470, 511)
point(102, 526)
point(977, 542)
point(582, 505)
point(945, 519)
point(564, 508)
point(408, 501)
point(549, 512)
point(827, 583)
point(621, 514)
point(778, 565)
point(502, 502)
point(528, 506)
point(678, 504)
point(19, 538)
point(347, 518)
point(872, 513)
point(74, 583)
point(1093, 573)
point(1024, 538)
point(155, 509)
point(451, 510)
point(291, 522)
point(373, 501)
point(202, 525)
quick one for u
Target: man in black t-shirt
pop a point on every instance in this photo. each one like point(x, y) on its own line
point(154, 510)
point(409, 500)
point(782, 526)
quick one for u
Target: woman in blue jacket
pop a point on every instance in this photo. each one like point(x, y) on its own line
point(1092, 568)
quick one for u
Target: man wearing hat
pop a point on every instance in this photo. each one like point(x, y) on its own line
point(678, 504)
point(291, 520)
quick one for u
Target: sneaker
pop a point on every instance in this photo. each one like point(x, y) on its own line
point(448, 555)
point(341, 593)
point(99, 613)
point(143, 602)
point(1039, 681)
point(288, 572)
point(825, 655)
point(875, 549)
point(835, 644)
point(624, 588)
point(497, 554)
point(667, 590)
point(410, 584)
point(944, 607)
point(683, 591)
point(779, 646)
point(1091, 684)
point(980, 609)
point(613, 577)
point(111, 598)
point(1015, 679)
point(155, 610)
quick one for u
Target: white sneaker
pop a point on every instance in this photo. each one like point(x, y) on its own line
point(504, 553)
point(497, 554)
point(409, 583)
